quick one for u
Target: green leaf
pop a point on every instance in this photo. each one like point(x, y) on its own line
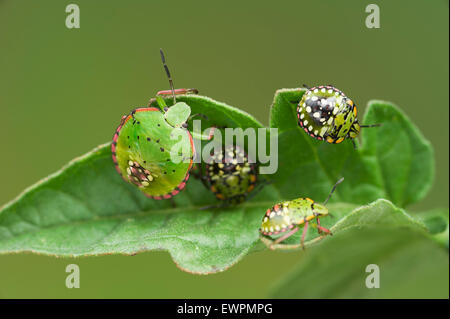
point(394, 161)
point(219, 114)
point(410, 264)
point(87, 209)
point(404, 156)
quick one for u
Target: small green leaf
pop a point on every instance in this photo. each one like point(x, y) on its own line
point(283, 114)
point(410, 264)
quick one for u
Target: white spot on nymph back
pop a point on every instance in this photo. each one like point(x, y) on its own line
point(316, 115)
point(302, 116)
point(305, 122)
point(323, 90)
point(310, 128)
point(314, 98)
point(316, 90)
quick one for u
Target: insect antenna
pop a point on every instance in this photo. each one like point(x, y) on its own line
point(332, 190)
point(163, 59)
point(372, 125)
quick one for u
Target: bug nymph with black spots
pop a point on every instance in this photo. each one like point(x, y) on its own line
point(231, 175)
point(326, 113)
point(152, 147)
point(142, 154)
point(287, 217)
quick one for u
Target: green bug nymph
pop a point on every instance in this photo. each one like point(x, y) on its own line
point(152, 147)
point(326, 113)
point(141, 151)
point(286, 218)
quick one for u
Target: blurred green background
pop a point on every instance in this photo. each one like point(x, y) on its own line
point(63, 91)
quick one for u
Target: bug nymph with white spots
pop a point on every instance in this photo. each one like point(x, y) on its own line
point(286, 218)
point(326, 113)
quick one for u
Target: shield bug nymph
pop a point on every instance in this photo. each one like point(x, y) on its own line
point(143, 147)
point(287, 217)
point(231, 175)
point(326, 113)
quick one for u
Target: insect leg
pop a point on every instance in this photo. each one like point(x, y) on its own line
point(202, 137)
point(199, 175)
point(151, 101)
point(177, 92)
point(279, 240)
point(305, 229)
point(322, 229)
point(371, 125)
point(224, 204)
point(203, 116)
point(132, 115)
